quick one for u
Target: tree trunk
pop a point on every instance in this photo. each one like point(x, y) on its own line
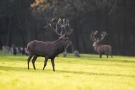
point(83, 41)
point(9, 35)
point(22, 36)
point(75, 41)
point(32, 35)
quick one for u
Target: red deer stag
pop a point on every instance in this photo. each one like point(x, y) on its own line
point(107, 49)
point(49, 49)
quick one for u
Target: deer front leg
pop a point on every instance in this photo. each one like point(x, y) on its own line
point(100, 55)
point(45, 62)
point(53, 65)
point(33, 61)
point(111, 55)
point(28, 61)
point(107, 55)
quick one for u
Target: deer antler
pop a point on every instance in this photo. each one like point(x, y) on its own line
point(92, 35)
point(53, 19)
point(70, 29)
point(103, 34)
point(51, 23)
point(62, 24)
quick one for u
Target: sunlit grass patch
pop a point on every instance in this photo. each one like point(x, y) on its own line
point(89, 72)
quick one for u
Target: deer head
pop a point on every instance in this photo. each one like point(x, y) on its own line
point(96, 41)
point(62, 28)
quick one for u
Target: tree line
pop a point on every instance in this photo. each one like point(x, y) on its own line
point(22, 21)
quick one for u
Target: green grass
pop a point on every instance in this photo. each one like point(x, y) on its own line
point(86, 73)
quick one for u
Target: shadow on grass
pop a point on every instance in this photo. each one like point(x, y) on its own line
point(108, 60)
point(114, 59)
point(90, 73)
point(12, 68)
point(21, 69)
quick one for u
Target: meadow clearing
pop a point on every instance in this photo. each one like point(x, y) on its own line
point(89, 72)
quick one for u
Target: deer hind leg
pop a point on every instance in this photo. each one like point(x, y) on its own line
point(2, 51)
point(111, 55)
point(33, 61)
point(100, 55)
point(107, 55)
point(28, 61)
point(110, 52)
point(45, 62)
point(53, 65)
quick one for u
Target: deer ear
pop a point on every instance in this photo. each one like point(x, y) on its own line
point(61, 37)
point(65, 35)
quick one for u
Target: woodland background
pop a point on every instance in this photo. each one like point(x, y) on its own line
point(23, 20)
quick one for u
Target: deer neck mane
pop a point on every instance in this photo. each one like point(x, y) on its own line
point(96, 46)
point(60, 45)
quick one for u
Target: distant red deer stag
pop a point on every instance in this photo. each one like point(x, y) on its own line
point(50, 49)
point(107, 49)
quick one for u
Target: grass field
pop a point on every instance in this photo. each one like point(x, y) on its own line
point(86, 73)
